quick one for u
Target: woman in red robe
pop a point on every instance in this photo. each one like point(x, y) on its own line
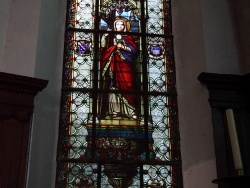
point(118, 73)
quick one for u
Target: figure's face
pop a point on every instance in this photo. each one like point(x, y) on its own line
point(119, 26)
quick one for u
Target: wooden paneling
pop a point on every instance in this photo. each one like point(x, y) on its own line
point(228, 91)
point(17, 95)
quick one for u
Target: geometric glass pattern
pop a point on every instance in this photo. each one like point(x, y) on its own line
point(118, 118)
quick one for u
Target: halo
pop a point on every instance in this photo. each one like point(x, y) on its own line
point(125, 20)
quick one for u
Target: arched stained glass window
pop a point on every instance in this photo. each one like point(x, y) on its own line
point(118, 122)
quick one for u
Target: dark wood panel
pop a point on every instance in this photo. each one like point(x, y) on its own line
point(228, 91)
point(17, 95)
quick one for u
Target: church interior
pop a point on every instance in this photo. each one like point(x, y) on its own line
point(212, 60)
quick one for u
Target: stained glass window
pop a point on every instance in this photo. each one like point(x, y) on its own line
point(118, 121)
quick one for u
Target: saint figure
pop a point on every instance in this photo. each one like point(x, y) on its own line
point(118, 73)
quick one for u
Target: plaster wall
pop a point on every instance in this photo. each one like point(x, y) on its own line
point(242, 13)
point(49, 61)
point(18, 47)
point(4, 18)
point(220, 39)
point(194, 111)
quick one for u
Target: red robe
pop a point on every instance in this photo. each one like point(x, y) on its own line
point(123, 69)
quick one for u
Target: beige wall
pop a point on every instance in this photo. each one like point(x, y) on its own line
point(4, 17)
point(205, 40)
point(19, 39)
point(48, 65)
point(194, 114)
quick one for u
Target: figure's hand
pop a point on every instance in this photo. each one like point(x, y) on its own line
point(106, 34)
point(120, 46)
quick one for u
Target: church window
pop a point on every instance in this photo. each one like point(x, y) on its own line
point(118, 121)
